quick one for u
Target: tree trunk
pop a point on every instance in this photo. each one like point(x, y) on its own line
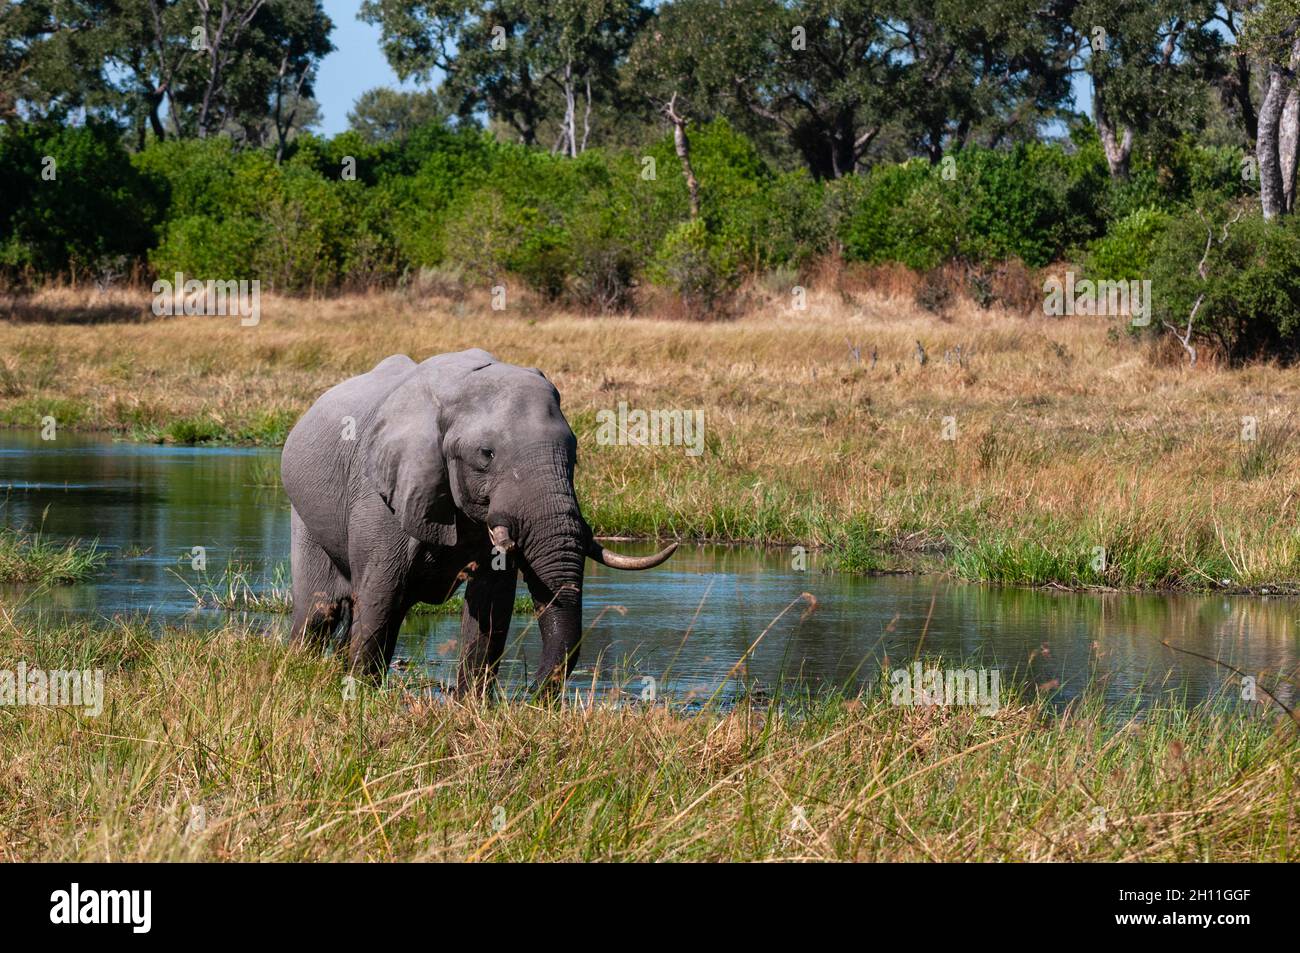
point(1288, 146)
point(1117, 145)
point(279, 109)
point(155, 121)
point(570, 110)
point(683, 147)
point(586, 119)
point(1267, 150)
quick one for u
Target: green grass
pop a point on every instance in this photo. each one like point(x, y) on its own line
point(34, 558)
point(265, 429)
point(30, 412)
point(1053, 552)
point(231, 746)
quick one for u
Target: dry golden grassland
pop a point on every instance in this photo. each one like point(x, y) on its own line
point(233, 747)
point(822, 427)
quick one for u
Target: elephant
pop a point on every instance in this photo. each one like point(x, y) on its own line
point(412, 478)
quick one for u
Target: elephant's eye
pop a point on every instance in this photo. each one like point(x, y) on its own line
point(486, 454)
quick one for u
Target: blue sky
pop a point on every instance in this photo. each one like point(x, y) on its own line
point(357, 64)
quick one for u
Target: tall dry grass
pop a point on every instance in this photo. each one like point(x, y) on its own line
point(234, 747)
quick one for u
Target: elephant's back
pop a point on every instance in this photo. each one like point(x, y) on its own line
point(317, 459)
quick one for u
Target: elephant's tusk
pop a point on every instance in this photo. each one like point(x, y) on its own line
point(500, 537)
point(600, 554)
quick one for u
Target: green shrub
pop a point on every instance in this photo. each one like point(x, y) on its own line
point(1126, 250)
point(603, 259)
point(1250, 303)
point(1031, 203)
point(96, 208)
point(199, 175)
point(1216, 173)
point(979, 205)
point(241, 215)
point(762, 217)
point(697, 267)
point(483, 232)
point(877, 223)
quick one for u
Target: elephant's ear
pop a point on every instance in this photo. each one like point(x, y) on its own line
point(404, 460)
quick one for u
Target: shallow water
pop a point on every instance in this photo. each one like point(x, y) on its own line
point(711, 618)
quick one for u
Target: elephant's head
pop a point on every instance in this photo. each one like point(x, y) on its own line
point(465, 433)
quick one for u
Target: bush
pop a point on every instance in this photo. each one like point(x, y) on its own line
point(585, 230)
point(345, 213)
point(983, 207)
point(1250, 304)
point(604, 261)
point(878, 222)
point(97, 207)
point(1032, 203)
point(1125, 251)
point(761, 217)
point(697, 267)
point(283, 224)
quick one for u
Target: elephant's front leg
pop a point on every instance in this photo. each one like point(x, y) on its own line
point(484, 626)
point(378, 609)
point(560, 621)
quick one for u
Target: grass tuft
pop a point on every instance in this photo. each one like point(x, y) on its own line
point(33, 558)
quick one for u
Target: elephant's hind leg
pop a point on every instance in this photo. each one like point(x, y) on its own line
point(320, 592)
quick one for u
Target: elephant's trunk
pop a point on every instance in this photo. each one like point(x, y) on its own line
point(552, 545)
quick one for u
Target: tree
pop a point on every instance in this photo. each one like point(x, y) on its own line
point(1149, 62)
point(523, 61)
point(383, 114)
point(44, 51)
point(298, 32)
point(1236, 80)
point(838, 77)
point(1272, 35)
point(816, 72)
point(968, 71)
point(196, 66)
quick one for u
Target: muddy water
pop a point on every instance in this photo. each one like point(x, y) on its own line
point(711, 618)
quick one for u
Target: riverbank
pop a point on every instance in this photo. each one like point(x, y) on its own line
point(232, 746)
point(1077, 457)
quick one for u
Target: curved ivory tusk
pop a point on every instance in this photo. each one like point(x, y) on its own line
point(600, 554)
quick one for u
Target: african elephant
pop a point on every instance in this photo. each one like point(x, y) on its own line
point(412, 478)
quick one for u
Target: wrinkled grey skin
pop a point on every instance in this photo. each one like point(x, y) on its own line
point(455, 464)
